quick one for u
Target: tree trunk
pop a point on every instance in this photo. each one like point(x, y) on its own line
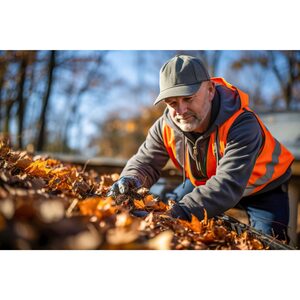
point(2, 74)
point(21, 102)
point(43, 118)
point(8, 106)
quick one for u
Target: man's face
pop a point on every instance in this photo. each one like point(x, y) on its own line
point(192, 113)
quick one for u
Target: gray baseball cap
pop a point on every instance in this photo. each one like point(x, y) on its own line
point(181, 76)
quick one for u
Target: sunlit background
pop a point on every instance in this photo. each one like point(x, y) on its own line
point(99, 103)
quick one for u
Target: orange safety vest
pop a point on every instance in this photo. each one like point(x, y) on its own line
point(272, 162)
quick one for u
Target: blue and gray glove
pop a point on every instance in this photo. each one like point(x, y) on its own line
point(124, 185)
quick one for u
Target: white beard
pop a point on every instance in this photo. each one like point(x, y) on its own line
point(188, 126)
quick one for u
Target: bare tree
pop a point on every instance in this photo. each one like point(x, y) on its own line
point(284, 65)
point(91, 75)
point(3, 67)
point(8, 86)
point(20, 100)
point(42, 123)
point(287, 75)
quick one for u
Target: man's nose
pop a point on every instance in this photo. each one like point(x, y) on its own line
point(181, 108)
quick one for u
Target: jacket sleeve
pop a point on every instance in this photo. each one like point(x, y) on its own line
point(225, 189)
point(151, 157)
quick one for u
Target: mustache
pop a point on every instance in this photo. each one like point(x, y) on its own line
point(185, 116)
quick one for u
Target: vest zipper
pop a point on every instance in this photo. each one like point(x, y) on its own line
point(195, 154)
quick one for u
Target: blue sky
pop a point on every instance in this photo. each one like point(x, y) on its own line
point(124, 66)
point(133, 82)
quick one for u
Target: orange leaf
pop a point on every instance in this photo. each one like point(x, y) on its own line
point(195, 225)
point(151, 202)
point(88, 206)
point(38, 168)
point(256, 244)
point(184, 223)
point(52, 162)
point(104, 202)
point(205, 219)
point(148, 199)
point(208, 237)
point(105, 207)
point(161, 206)
point(139, 204)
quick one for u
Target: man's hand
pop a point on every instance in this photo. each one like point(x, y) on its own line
point(124, 185)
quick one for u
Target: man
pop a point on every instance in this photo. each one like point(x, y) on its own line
point(220, 144)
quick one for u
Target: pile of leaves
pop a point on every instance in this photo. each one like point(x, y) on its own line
point(45, 204)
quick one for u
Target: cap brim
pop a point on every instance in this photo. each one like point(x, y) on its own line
point(177, 91)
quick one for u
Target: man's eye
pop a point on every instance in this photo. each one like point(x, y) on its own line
point(188, 100)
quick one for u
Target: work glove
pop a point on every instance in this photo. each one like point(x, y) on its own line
point(124, 185)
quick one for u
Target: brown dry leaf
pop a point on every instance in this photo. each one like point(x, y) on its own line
point(82, 187)
point(23, 163)
point(220, 232)
point(4, 148)
point(60, 184)
point(160, 206)
point(30, 183)
point(37, 183)
point(106, 181)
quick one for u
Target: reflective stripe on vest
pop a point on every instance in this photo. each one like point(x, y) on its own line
point(272, 162)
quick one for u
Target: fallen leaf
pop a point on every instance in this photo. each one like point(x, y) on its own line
point(139, 204)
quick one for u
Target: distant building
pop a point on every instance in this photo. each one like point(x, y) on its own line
point(285, 126)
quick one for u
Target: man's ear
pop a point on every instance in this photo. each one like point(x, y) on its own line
point(211, 89)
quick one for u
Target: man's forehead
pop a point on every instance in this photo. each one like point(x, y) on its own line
point(171, 99)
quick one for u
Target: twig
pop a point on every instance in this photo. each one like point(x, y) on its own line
point(85, 165)
point(71, 207)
